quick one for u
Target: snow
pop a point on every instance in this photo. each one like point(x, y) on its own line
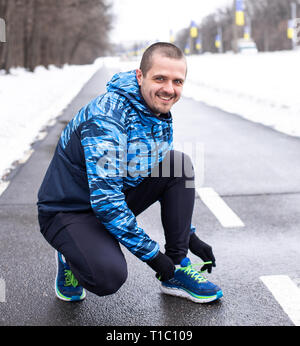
point(260, 87)
point(32, 100)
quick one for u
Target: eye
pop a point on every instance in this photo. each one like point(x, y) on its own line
point(178, 81)
point(159, 78)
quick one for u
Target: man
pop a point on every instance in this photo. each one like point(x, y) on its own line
point(107, 168)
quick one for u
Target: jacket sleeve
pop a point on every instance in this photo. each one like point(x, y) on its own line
point(104, 142)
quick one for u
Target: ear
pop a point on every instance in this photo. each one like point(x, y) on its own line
point(139, 76)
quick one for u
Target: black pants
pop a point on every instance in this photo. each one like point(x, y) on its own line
point(95, 256)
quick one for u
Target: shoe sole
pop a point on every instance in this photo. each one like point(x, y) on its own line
point(61, 296)
point(178, 292)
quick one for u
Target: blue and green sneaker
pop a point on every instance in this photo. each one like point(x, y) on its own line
point(66, 285)
point(189, 283)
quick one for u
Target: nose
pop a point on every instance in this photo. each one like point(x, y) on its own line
point(168, 87)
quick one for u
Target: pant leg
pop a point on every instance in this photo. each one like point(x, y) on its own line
point(169, 186)
point(94, 255)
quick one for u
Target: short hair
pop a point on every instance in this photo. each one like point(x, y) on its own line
point(165, 49)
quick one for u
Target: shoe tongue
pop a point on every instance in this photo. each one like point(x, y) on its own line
point(185, 262)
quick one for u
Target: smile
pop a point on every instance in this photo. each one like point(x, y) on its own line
point(164, 98)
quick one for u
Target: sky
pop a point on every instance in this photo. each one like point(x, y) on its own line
point(140, 20)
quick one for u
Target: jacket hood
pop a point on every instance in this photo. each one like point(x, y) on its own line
point(126, 84)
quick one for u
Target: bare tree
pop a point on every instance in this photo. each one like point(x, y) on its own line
point(268, 18)
point(43, 32)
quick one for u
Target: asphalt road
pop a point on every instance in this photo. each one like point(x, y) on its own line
point(254, 169)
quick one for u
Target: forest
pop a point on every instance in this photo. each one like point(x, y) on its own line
point(43, 32)
point(268, 20)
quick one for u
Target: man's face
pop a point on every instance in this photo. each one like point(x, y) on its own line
point(163, 83)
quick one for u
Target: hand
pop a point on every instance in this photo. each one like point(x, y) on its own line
point(202, 250)
point(163, 265)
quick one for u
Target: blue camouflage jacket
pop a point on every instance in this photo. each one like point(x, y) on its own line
point(111, 144)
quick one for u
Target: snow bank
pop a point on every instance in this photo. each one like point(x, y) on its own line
point(262, 87)
point(29, 101)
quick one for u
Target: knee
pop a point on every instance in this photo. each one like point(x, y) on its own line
point(181, 165)
point(109, 279)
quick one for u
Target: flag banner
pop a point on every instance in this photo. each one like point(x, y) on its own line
point(193, 30)
point(239, 18)
point(187, 49)
point(198, 45)
point(217, 41)
point(246, 33)
point(239, 13)
point(290, 29)
point(239, 6)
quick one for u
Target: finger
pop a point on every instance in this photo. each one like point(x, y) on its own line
point(207, 267)
point(211, 258)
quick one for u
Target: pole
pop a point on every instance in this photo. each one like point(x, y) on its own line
point(2, 30)
point(293, 16)
point(250, 27)
point(234, 29)
point(221, 39)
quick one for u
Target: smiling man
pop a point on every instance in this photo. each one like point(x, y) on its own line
point(107, 169)
point(161, 80)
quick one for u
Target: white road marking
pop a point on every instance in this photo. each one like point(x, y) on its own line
point(287, 294)
point(219, 208)
point(2, 290)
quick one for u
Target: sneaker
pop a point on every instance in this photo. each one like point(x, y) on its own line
point(189, 283)
point(66, 285)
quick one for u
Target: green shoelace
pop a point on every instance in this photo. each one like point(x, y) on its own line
point(193, 273)
point(70, 279)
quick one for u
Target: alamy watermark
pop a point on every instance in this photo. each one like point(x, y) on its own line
point(144, 159)
point(2, 30)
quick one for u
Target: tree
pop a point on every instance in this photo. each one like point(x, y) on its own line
point(269, 20)
point(44, 32)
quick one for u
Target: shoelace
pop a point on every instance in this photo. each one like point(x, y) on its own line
point(70, 279)
point(193, 273)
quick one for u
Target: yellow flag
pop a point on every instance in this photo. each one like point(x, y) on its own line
point(239, 18)
point(218, 41)
point(193, 30)
point(290, 33)
point(239, 13)
point(290, 29)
